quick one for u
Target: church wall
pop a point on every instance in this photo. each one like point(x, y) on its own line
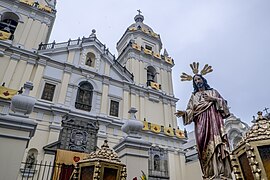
point(60, 57)
point(37, 79)
point(182, 166)
point(166, 115)
point(114, 75)
point(40, 138)
point(14, 149)
point(107, 69)
point(174, 168)
point(104, 99)
point(40, 35)
point(52, 72)
point(71, 56)
point(19, 30)
point(18, 74)
point(32, 35)
point(27, 72)
point(108, 85)
point(4, 62)
point(143, 74)
point(27, 27)
point(10, 70)
point(193, 170)
point(164, 80)
point(64, 86)
point(170, 83)
point(29, 32)
point(154, 112)
point(126, 104)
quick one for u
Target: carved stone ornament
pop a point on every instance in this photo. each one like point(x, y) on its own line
point(23, 103)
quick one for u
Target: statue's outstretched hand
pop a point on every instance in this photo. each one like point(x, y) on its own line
point(180, 113)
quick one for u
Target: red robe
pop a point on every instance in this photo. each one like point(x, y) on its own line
point(212, 144)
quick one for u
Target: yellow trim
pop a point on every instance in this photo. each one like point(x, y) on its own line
point(179, 133)
point(132, 28)
point(168, 131)
point(45, 8)
point(29, 2)
point(145, 126)
point(157, 55)
point(169, 60)
point(145, 31)
point(136, 46)
point(6, 93)
point(155, 128)
point(155, 85)
point(155, 34)
point(146, 51)
point(4, 35)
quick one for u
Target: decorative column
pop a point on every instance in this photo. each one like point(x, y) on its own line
point(16, 129)
point(133, 148)
point(11, 69)
point(38, 76)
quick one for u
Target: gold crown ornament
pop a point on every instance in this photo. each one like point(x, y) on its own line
point(195, 69)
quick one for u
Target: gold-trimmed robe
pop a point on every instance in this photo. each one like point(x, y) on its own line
point(212, 144)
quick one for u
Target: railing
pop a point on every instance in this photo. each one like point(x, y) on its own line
point(45, 171)
point(70, 42)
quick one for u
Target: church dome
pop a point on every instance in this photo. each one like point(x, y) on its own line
point(139, 23)
point(140, 26)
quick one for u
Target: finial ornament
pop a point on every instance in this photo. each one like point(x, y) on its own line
point(195, 69)
point(139, 11)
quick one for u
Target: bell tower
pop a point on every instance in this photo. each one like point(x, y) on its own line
point(27, 23)
point(139, 50)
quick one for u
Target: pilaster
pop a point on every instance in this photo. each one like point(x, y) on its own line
point(142, 74)
point(39, 38)
point(26, 31)
point(64, 85)
point(38, 76)
point(28, 70)
point(104, 99)
point(142, 107)
point(11, 69)
point(126, 104)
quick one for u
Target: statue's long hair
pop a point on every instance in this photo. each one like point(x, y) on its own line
point(205, 84)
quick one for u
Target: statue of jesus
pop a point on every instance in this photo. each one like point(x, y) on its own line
point(206, 108)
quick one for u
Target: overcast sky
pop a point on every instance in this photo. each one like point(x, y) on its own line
point(231, 35)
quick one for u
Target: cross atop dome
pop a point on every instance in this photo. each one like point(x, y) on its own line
point(139, 17)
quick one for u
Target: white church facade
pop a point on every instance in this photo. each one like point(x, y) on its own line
point(84, 93)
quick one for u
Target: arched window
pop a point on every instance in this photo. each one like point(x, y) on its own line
point(8, 23)
point(84, 96)
point(151, 75)
point(156, 163)
point(90, 59)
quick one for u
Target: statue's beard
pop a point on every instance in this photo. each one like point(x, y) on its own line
point(200, 85)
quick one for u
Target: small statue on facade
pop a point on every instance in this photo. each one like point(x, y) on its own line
point(30, 160)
